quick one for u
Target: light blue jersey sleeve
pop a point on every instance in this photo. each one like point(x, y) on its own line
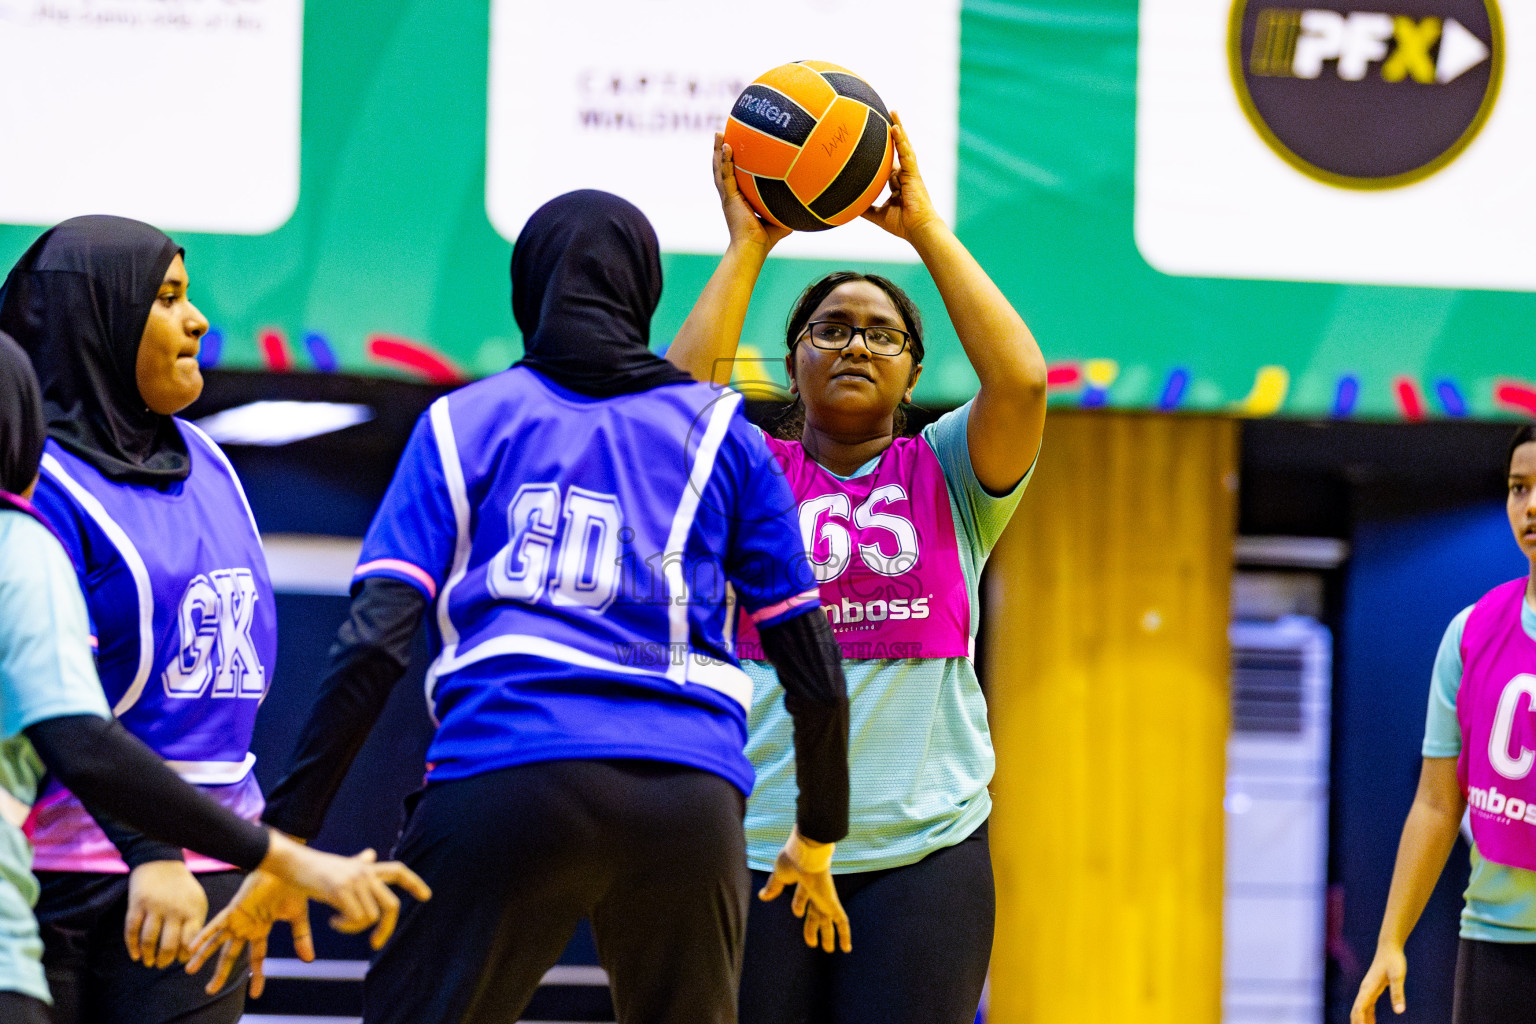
point(984, 515)
point(46, 670)
point(1442, 729)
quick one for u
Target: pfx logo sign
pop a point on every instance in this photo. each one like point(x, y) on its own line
point(1359, 97)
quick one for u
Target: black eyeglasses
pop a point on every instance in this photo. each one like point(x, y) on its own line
point(834, 336)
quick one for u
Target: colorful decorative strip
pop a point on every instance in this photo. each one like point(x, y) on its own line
point(1173, 390)
point(414, 357)
point(1516, 396)
point(1450, 397)
point(274, 349)
point(1063, 375)
point(320, 352)
point(212, 348)
point(1345, 396)
point(1270, 386)
point(1409, 402)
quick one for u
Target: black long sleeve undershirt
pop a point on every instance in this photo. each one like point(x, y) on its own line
point(370, 655)
point(109, 769)
point(134, 846)
point(810, 667)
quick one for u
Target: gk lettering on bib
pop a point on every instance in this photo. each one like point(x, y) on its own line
point(1498, 727)
point(884, 553)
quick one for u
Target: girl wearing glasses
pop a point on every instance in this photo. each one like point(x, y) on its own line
point(897, 530)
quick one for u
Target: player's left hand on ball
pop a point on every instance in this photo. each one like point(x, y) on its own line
point(808, 866)
point(908, 208)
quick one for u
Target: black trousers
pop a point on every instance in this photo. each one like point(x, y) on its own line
point(652, 853)
point(1495, 983)
point(89, 973)
point(922, 939)
point(16, 1008)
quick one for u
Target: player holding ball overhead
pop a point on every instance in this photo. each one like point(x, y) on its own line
point(898, 529)
point(571, 524)
point(1479, 746)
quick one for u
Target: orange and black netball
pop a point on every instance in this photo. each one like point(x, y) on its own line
point(812, 145)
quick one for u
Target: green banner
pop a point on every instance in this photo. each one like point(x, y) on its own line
point(389, 262)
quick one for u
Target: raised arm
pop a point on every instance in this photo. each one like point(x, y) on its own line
point(705, 345)
point(1008, 416)
point(1428, 836)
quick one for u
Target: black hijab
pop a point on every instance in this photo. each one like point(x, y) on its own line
point(77, 301)
point(586, 277)
point(22, 430)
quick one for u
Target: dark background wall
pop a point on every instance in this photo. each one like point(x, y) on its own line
point(1420, 504)
point(1422, 508)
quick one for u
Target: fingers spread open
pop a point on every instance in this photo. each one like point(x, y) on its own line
point(389, 913)
point(802, 897)
point(303, 938)
point(258, 962)
point(394, 873)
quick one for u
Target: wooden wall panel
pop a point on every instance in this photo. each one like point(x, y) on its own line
point(1107, 684)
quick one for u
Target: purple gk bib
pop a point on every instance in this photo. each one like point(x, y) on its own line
point(1498, 727)
point(884, 552)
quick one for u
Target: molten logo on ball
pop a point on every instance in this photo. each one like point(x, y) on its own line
point(789, 133)
point(1364, 98)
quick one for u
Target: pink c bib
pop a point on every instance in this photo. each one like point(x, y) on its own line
point(1498, 727)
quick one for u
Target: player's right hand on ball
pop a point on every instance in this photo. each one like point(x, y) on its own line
point(745, 226)
point(1387, 970)
point(808, 865)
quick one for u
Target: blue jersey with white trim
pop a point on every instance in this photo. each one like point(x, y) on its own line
point(582, 557)
point(182, 611)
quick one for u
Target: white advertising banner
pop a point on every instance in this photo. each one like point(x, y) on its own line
point(1359, 141)
point(626, 95)
point(182, 113)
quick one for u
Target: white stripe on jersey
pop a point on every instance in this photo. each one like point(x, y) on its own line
point(135, 563)
point(682, 525)
point(453, 475)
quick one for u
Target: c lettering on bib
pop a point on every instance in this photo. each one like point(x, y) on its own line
point(1518, 765)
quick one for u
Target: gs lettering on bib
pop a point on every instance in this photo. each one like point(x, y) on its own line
point(1496, 706)
point(884, 552)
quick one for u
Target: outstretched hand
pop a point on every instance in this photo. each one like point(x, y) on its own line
point(809, 867)
point(742, 221)
point(908, 207)
point(263, 900)
point(357, 887)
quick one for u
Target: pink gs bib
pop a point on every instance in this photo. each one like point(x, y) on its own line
point(884, 552)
